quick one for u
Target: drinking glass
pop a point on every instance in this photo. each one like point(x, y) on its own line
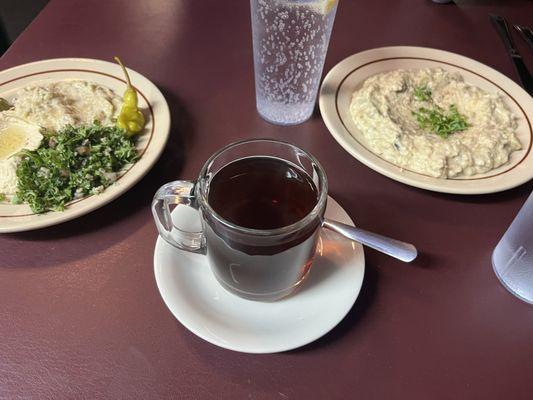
point(290, 41)
point(512, 258)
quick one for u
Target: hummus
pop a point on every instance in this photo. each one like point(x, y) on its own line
point(53, 105)
point(384, 110)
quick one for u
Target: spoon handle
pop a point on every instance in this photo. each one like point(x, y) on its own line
point(402, 251)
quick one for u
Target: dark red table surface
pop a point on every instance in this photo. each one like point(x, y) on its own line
point(81, 316)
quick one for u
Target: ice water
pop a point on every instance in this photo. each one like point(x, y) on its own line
point(512, 258)
point(290, 39)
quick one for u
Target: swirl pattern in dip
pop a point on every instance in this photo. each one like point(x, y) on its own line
point(384, 109)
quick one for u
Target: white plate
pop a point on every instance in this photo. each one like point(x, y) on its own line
point(193, 295)
point(14, 218)
point(349, 74)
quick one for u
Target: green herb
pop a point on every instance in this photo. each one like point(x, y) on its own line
point(76, 162)
point(2, 197)
point(4, 104)
point(441, 122)
point(423, 93)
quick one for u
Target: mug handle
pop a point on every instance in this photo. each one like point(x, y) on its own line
point(178, 193)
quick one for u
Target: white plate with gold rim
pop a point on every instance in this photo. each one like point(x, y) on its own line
point(150, 144)
point(197, 300)
point(349, 74)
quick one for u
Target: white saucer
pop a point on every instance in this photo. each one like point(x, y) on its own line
point(196, 299)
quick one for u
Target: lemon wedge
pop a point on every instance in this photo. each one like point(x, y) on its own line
point(323, 7)
point(330, 4)
point(16, 135)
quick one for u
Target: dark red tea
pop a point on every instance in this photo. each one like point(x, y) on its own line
point(261, 193)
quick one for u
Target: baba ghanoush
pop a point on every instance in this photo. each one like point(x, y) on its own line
point(432, 122)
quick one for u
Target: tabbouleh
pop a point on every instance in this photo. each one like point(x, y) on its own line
point(72, 163)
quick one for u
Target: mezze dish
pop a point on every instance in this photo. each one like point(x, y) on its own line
point(431, 119)
point(432, 122)
point(74, 134)
point(60, 141)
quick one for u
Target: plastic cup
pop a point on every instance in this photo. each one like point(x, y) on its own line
point(512, 258)
point(290, 39)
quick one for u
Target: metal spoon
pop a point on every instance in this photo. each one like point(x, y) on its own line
point(405, 252)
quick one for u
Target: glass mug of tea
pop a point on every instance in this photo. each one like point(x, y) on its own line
point(261, 204)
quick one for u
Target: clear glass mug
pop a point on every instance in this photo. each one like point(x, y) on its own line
point(256, 264)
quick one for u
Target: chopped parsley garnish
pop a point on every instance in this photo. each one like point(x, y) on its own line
point(75, 162)
point(441, 122)
point(423, 93)
point(4, 104)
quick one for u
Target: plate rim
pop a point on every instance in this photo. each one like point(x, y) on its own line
point(334, 79)
point(157, 105)
point(360, 263)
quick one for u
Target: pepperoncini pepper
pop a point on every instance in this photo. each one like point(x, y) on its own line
point(131, 119)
